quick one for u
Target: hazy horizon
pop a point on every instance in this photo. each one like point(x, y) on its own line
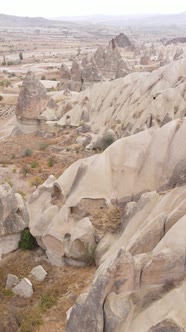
point(96, 7)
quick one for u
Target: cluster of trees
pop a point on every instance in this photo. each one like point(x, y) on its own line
point(9, 63)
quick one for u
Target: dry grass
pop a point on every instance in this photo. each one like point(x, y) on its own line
point(107, 220)
point(62, 148)
point(52, 297)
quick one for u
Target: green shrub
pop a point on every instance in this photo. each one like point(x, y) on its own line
point(7, 292)
point(36, 181)
point(51, 162)
point(21, 55)
point(25, 170)
point(43, 77)
point(28, 152)
point(27, 240)
point(1, 98)
point(47, 301)
point(34, 164)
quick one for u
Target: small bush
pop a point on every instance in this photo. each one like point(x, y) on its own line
point(7, 292)
point(43, 77)
point(34, 164)
point(22, 193)
point(21, 55)
point(51, 162)
point(47, 301)
point(1, 98)
point(25, 170)
point(27, 240)
point(28, 152)
point(36, 181)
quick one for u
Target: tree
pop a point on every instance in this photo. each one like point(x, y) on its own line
point(25, 170)
point(4, 61)
point(27, 240)
point(20, 55)
point(36, 181)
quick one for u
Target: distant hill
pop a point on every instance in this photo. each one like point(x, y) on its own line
point(16, 21)
point(148, 19)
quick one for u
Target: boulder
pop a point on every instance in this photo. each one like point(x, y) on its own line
point(14, 218)
point(23, 288)
point(39, 273)
point(11, 281)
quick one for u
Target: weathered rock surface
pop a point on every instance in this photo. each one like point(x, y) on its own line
point(133, 103)
point(11, 281)
point(140, 282)
point(122, 41)
point(32, 99)
point(13, 218)
point(23, 288)
point(39, 273)
point(176, 40)
point(129, 167)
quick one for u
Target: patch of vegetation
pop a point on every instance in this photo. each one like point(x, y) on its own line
point(89, 257)
point(107, 220)
point(26, 169)
point(104, 142)
point(36, 181)
point(27, 240)
point(28, 152)
point(21, 192)
point(51, 162)
point(30, 320)
point(1, 98)
point(34, 164)
point(7, 292)
point(43, 77)
point(21, 55)
point(47, 301)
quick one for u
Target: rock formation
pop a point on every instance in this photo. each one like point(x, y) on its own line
point(13, 218)
point(105, 63)
point(133, 103)
point(177, 40)
point(32, 100)
point(140, 280)
point(80, 77)
point(122, 41)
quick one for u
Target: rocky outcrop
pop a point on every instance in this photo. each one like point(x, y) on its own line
point(177, 40)
point(140, 284)
point(133, 103)
point(14, 218)
point(105, 63)
point(32, 100)
point(122, 41)
point(65, 72)
point(61, 210)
